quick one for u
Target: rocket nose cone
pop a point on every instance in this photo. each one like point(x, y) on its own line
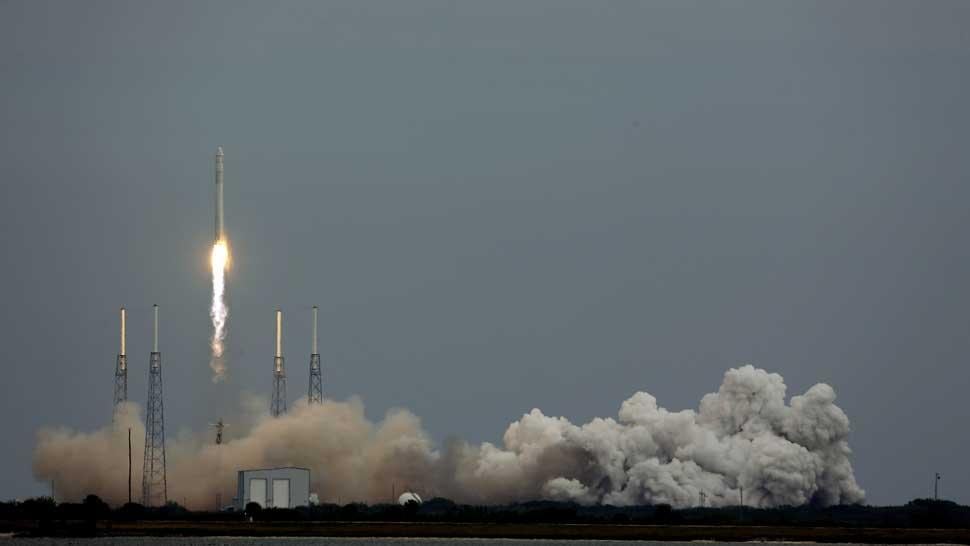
point(219, 151)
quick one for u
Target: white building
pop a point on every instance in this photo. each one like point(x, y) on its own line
point(286, 487)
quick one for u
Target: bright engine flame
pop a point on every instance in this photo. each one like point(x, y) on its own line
point(219, 311)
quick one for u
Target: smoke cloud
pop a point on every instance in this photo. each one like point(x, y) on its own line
point(742, 436)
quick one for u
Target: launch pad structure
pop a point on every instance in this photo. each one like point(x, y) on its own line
point(154, 484)
point(154, 490)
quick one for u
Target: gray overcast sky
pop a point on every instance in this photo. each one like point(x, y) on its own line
point(498, 206)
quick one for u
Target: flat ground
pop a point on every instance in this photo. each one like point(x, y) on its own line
point(502, 530)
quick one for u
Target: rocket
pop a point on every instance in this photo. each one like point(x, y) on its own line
point(220, 226)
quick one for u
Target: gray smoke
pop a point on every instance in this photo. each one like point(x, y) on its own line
point(742, 436)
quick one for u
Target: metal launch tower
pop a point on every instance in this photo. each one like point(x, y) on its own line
point(121, 370)
point(154, 486)
point(277, 405)
point(316, 375)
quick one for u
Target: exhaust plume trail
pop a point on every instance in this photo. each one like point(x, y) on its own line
point(219, 311)
point(746, 435)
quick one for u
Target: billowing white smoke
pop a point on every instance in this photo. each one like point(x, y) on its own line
point(219, 311)
point(743, 436)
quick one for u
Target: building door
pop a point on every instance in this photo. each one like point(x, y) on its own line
point(257, 491)
point(281, 493)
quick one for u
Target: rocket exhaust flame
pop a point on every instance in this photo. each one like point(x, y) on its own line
point(219, 311)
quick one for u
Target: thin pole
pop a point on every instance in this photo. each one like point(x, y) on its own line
point(741, 505)
point(279, 333)
point(315, 352)
point(155, 330)
point(122, 353)
point(129, 465)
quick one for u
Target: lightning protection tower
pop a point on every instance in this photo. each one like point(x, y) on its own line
point(154, 486)
point(121, 370)
point(316, 375)
point(277, 405)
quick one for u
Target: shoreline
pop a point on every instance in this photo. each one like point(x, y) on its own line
point(556, 531)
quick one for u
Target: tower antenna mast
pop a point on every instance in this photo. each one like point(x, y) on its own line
point(121, 368)
point(154, 485)
point(277, 405)
point(316, 374)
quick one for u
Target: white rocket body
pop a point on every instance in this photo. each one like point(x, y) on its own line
point(220, 225)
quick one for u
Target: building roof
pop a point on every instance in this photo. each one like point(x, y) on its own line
point(274, 468)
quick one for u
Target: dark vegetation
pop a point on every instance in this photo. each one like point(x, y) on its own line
point(920, 513)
